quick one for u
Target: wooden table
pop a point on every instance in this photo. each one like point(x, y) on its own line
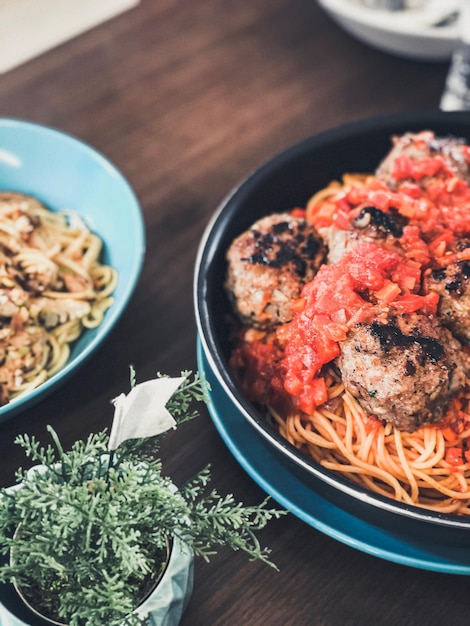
point(186, 98)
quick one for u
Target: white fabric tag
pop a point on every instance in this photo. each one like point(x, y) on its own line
point(142, 413)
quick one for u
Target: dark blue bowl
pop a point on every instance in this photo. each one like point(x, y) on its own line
point(286, 181)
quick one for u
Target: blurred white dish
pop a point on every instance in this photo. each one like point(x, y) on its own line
point(404, 33)
point(31, 27)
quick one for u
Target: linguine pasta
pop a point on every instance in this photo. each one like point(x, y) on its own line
point(52, 287)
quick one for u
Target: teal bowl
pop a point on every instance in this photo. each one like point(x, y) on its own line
point(65, 173)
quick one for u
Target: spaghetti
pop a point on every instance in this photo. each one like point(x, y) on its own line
point(426, 468)
point(52, 287)
point(292, 369)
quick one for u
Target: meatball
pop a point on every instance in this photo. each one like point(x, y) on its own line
point(268, 266)
point(371, 225)
point(452, 283)
point(425, 145)
point(403, 369)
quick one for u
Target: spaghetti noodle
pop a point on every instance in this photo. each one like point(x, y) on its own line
point(292, 369)
point(425, 468)
point(52, 287)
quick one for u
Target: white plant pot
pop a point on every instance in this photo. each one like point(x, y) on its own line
point(165, 605)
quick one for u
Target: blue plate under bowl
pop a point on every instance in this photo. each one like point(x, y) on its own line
point(65, 173)
point(407, 543)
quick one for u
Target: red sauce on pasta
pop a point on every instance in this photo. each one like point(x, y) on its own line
point(284, 368)
point(286, 364)
point(426, 212)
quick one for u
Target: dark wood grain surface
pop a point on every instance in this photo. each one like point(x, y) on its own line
point(186, 98)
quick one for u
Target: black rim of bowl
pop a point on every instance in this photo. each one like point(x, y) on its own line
point(209, 262)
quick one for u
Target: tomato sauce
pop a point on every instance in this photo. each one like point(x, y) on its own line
point(285, 367)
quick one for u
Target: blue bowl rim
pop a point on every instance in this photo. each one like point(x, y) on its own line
point(114, 313)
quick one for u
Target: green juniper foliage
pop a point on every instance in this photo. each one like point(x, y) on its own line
point(88, 529)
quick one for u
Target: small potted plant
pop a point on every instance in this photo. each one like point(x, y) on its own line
point(89, 536)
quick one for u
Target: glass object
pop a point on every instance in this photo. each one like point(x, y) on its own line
point(456, 94)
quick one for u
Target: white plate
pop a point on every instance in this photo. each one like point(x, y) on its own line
point(404, 33)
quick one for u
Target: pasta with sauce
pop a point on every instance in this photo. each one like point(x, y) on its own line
point(370, 375)
point(52, 287)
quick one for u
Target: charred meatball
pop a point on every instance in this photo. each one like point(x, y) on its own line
point(403, 369)
point(425, 145)
point(268, 266)
point(371, 225)
point(452, 283)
